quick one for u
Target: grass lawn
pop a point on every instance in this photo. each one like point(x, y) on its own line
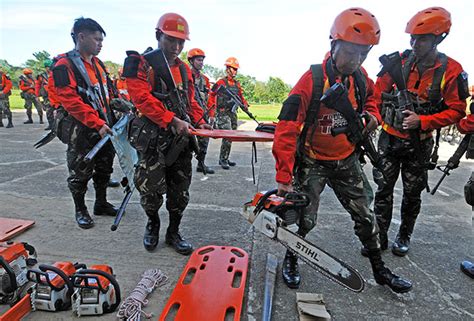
point(16, 102)
point(262, 112)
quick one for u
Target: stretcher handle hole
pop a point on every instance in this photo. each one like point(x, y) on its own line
point(237, 253)
point(232, 260)
point(206, 258)
point(206, 250)
point(172, 312)
point(230, 268)
point(189, 276)
point(202, 267)
point(237, 279)
point(229, 314)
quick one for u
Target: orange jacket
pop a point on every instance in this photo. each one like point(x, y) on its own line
point(69, 97)
point(41, 82)
point(420, 85)
point(27, 84)
point(321, 145)
point(5, 84)
point(140, 89)
point(52, 95)
point(121, 85)
point(212, 102)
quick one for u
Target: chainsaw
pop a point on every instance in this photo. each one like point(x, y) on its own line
point(95, 291)
point(277, 218)
point(53, 286)
point(15, 258)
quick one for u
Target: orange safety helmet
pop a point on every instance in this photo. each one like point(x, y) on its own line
point(434, 20)
point(195, 52)
point(27, 71)
point(356, 25)
point(232, 62)
point(174, 25)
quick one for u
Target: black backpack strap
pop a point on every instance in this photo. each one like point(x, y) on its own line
point(408, 64)
point(434, 93)
point(313, 108)
point(360, 89)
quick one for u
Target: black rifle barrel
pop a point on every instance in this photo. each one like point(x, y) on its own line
point(121, 210)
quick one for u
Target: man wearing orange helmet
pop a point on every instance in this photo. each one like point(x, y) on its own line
point(121, 85)
point(308, 152)
point(27, 87)
point(222, 106)
point(5, 92)
point(201, 91)
point(41, 90)
point(157, 126)
point(438, 86)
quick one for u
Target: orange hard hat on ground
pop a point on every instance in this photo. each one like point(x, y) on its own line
point(195, 52)
point(27, 71)
point(434, 20)
point(232, 62)
point(356, 25)
point(174, 25)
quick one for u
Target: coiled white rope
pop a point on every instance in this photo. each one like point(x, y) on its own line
point(131, 307)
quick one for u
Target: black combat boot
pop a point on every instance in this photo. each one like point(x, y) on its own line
point(41, 119)
point(29, 121)
point(101, 206)
point(152, 231)
point(401, 245)
point(290, 271)
point(175, 239)
point(1, 122)
point(468, 268)
point(10, 123)
point(200, 169)
point(224, 164)
point(83, 218)
point(231, 163)
point(113, 183)
point(384, 276)
point(383, 244)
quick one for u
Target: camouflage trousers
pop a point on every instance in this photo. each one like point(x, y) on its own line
point(398, 155)
point(346, 178)
point(153, 179)
point(49, 110)
point(226, 120)
point(5, 108)
point(31, 100)
point(203, 143)
point(99, 169)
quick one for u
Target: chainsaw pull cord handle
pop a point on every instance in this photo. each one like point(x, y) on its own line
point(86, 273)
point(11, 274)
point(67, 281)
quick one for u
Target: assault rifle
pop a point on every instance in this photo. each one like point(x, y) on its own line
point(157, 60)
point(337, 99)
point(392, 64)
point(453, 161)
point(222, 90)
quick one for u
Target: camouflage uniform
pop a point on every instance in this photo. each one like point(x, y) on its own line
point(43, 93)
point(30, 99)
point(226, 119)
point(203, 92)
point(5, 107)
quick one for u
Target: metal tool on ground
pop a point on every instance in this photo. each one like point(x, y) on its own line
point(211, 286)
point(96, 291)
point(453, 161)
point(270, 276)
point(131, 308)
point(276, 217)
point(53, 286)
point(15, 258)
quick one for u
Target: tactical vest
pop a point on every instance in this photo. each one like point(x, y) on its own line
point(435, 104)
point(27, 80)
point(222, 101)
point(200, 85)
point(44, 82)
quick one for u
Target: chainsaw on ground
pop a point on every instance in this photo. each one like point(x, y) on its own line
point(96, 291)
point(15, 258)
point(277, 217)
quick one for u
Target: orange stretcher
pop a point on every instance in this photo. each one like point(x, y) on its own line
point(18, 311)
point(235, 135)
point(211, 286)
point(10, 227)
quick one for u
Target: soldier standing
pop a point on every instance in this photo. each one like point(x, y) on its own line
point(439, 88)
point(27, 86)
point(80, 81)
point(226, 117)
point(41, 90)
point(201, 90)
point(308, 154)
point(157, 129)
point(5, 92)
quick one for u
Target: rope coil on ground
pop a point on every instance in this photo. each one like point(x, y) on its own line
point(132, 307)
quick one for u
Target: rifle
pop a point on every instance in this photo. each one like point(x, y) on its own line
point(336, 98)
point(222, 90)
point(392, 64)
point(453, 161)
point(121, 211)
point(157, 60)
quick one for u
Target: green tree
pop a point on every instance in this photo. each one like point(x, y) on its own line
point(12, 71)
point(213, 72)
point(261, 93)
point(277, 90)
point(37, 64)
point(248, 86)
point(112, 68)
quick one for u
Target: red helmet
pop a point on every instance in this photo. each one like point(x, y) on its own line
point(232, 62)
point(174, 25)
point(195, 52)
point(435, 20)
point(356, 25)
point(27, 71)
